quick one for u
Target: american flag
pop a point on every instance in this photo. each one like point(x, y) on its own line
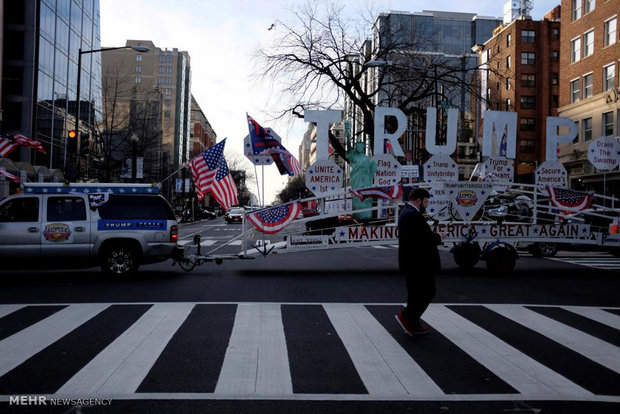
point(29, 143)
point(569, 200)
point(264, 143)
point(7, 146)
point(9, 175)
point(210, 173)
point(274, 219)
point(390, 193)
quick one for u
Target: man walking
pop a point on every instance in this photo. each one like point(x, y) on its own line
point(418, 261)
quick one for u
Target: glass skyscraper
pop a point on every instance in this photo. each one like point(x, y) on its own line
point(42, 43)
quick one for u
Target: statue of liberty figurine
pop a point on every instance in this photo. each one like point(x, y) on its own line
point(362, 172)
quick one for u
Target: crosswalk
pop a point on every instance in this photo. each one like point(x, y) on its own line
point(606, 262)
point(309, 351)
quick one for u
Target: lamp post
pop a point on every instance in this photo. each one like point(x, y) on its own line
point(141, 49)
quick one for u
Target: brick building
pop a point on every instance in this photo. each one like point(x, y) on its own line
point(522, 62)
point(589, 92)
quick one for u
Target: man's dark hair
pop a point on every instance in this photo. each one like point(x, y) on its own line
point(419, 194)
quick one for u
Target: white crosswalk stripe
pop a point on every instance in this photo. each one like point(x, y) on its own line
point(121, 367)
point(256, 362)
point(597, 262)
point(517, 369)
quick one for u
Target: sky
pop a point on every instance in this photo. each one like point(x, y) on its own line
point(222, 36)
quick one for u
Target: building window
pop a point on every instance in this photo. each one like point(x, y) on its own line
point(161, 69)
point(576, 140)
point(138, 58)
point(609, 36)
point(169, 58)
point(168, 69)
point(589, 6)
point(555, 78)
point(528, 124)
point(608, 124)
point(609, 75)
point(167, 113)
point(508, 39)
point(555, 101)
point(588, 43)
point(587, 86)
point(576, 4)
point(508, 59)
point(138, 80)
point(162, 58)
point(555, 56)
point(167, 91)
point(488, 54)
point(508, 84)
point(527, 146)
point(167, 102)
point(528, 80)
point(528, 102)
point(138, 68)
point(528, 36)
point(574, 91)
point(528, 58)
point(507, 105)
point(575, 47)
point(587, 129)
point(556, 34)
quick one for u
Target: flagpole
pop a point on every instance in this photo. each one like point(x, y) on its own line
point(257, 187)
point(263, 178)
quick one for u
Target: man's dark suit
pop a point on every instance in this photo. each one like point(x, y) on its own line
point(418, 261)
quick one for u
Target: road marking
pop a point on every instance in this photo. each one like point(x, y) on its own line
point(8, 309)
point(256, 360)
point(17, 348)
point(123, 365)
point(593, 348)
point(598, 315)
point(383, 365)
point(518, 370)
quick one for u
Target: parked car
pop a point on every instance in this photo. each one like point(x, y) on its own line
point(234, 215)
point(49, 226)
point(204, 214)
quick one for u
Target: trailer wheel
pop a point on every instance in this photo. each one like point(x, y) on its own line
point(543, 249)
point(501, 260)
point(466, 254)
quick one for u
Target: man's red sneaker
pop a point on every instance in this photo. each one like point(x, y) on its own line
point(404, 324)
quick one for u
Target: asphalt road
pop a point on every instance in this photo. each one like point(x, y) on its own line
point(170, 341)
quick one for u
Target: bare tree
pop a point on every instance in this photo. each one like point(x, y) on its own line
point(323, 57)
point(131, 128)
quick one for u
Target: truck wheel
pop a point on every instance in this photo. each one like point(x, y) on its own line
point(121, 259)
point(466, 255)
point(501, 260)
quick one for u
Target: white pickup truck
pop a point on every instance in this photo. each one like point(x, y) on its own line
point(116, 226)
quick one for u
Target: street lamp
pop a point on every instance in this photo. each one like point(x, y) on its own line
point(140, 49)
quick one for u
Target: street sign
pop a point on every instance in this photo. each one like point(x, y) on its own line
point(604, 153)
point(388, 171)
point(324, 177)
point(551, 174)
point(440, 168)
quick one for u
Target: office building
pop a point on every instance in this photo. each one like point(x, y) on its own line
point(42, 40)
point(134, 81)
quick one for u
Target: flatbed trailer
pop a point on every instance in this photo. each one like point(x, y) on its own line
point(513, 214)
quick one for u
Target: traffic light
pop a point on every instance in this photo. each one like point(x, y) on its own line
point(84, 143)
point(72, 142)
